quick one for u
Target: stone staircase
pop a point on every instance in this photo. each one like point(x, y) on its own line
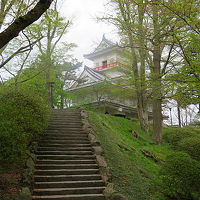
point(66, 168)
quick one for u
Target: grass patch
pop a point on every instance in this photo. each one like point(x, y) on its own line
point(134, 175)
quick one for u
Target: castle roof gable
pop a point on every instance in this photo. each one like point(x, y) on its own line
point(89, 77)
point(104, 46)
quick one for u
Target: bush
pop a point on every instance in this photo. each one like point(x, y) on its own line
point(191, 146)
point(174, 135)
point(23, 116)
point(180, 176)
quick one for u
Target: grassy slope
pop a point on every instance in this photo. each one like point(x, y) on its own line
point(134, 175)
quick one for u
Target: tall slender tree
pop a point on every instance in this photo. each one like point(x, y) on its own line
point(149, 31)
point(52, 27)
point(129, 20)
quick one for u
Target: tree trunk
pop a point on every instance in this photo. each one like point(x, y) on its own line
point(186, 117)
point(141, 103)
point(139, 73)
point(61, 101)
point(179, 115)
point(156, 84)
point(48, 86)
point(157, 121)
point(142, 114)
point(141, 90)
point(62, 97)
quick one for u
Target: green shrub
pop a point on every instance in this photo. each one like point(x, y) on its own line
point(180, 176)
point(191, 146)
point(174, 135)
point(23, 116)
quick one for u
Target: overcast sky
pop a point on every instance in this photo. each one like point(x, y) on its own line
point(86, 32)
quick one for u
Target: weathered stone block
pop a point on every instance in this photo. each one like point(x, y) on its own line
point(30, 163)
point(101, 161)
point(105, 174)
point(93, 140)
point(117, 196)
point(109, 190)
point(97, 150)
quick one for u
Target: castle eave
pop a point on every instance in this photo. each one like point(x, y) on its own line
point(93, 55)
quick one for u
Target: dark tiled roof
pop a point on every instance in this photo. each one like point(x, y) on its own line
point(101, 48)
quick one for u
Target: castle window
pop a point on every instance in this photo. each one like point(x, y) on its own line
point(104, 62)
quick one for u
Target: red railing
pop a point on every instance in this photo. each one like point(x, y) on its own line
point(106, 66)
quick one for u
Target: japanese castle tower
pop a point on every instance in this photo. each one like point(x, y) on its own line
point(108, 67)
point(106, 59)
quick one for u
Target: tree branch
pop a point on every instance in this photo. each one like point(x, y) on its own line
point(20, 50)
point(22, 22)
point(31, 77)
point(168, 58)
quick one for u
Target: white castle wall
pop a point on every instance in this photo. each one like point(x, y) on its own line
point(111, 57)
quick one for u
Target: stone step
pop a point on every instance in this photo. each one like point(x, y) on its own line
point(64, 139)
point(66, 135)
point(64, 153)
point(64, 126)
point(66, 171)
point(72, 126)
point(72, 137)
point(42, 142)
point(65, 132)
point(65, 116)
point(71, 117)
point(71, 197)
point(68, 128)
point(66, 112)
point(64, 149)
point(64, 122)
point(69, 120)
point(65, 157)
point(60, 126)
point(54, 178)
point(61, 135)
point(66, 166)
point(69, 184)
point(65, 191)
point(60, 162)
point(64, 145)
point(60, 112)
point(54, 138)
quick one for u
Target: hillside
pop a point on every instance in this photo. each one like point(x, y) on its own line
point(134, 175)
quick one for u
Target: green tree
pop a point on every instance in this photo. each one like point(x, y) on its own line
point(65, 74)
point(52, 27)
point(148, 29)
point(129, 19)
point(186, 77)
